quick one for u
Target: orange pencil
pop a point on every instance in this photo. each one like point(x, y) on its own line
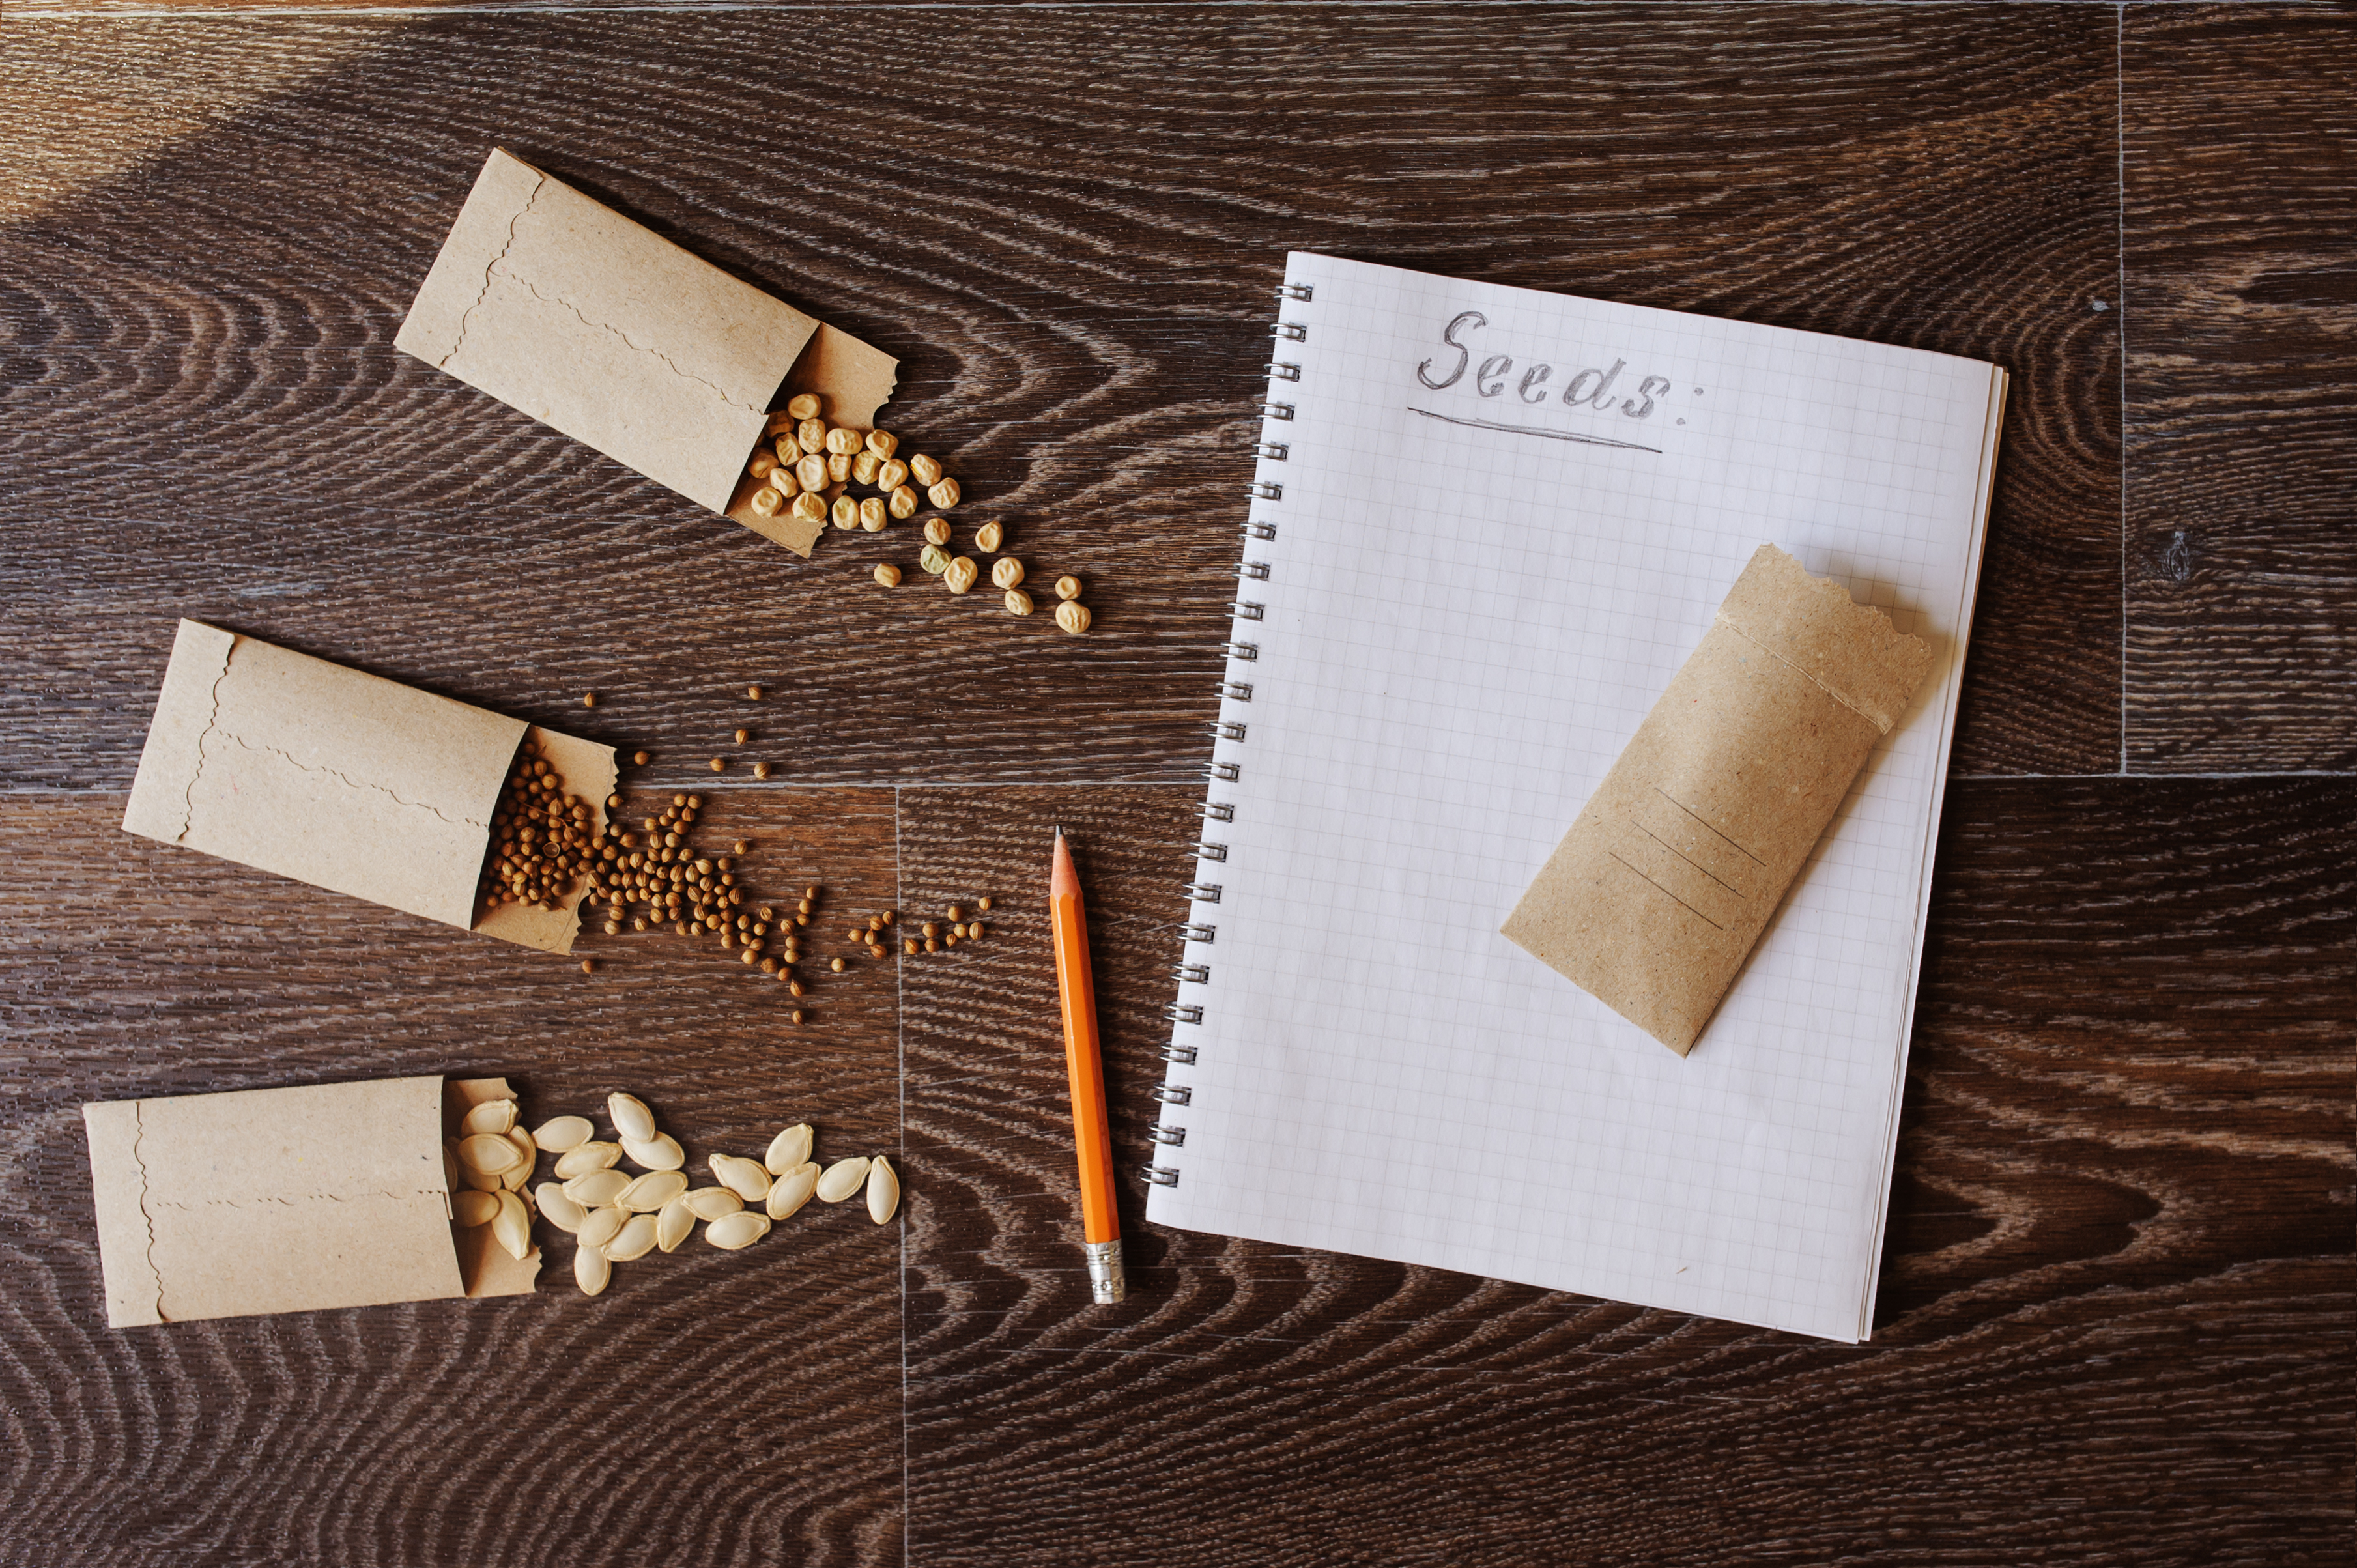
point(1100, 1224)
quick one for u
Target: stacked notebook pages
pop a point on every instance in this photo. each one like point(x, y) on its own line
point(1487, 525)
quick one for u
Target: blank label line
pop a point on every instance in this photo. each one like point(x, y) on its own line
point(1534, 430)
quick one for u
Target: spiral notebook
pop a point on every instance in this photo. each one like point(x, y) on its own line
point(1487, 526)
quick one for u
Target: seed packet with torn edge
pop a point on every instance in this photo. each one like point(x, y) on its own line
point(298, 1199)
point(345, 781)
point(566, 310)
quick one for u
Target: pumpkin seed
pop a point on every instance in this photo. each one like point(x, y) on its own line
point(631, 1117)
point(651, 1191)
point(713, 1202)
point(590, 1270)
point(598, 1189)
point(746, 1179)
point(791, 1191)
point(470, 1208)
point(675, 1224)
point(660, 1153)
point(487, 1153)
point(580, 1160)
point(842, 1179)
point(559, 1210)
point(633, 1241)
point(883, 1190)
point(512, 1226)
point(788, 1149)
point(602, 1226)
point(562, 1134)
point(491, 1116)
point(734, 1232)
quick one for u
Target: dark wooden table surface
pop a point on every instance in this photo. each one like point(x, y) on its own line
point(2117, 1310)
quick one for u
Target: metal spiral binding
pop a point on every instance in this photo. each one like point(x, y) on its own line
point(1165, 1134)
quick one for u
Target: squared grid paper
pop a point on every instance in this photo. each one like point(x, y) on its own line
point(1464, 628)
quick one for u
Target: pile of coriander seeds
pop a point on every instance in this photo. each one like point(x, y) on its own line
point(542, 839)
point(619, 1216)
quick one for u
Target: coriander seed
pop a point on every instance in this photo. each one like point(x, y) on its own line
point(761, 771)
point(743, 735)
point(835, 964)
point(588, 699)
point(720, 765)
point(982, 903)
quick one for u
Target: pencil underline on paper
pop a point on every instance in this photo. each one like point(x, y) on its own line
point(1672, 897)
point(1534, 430)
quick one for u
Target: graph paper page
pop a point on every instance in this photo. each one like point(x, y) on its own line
point(1506, 518)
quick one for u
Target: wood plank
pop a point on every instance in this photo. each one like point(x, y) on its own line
point(1066, 223)
point(709, 1408)
point(2242, 611)
point(2113, 1324)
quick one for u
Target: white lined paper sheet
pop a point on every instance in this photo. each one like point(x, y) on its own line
point(1475, 593)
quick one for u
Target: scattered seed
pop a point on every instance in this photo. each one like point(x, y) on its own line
point(582, 1158)
point(754, 692)
point(933, 559)
point(746, 1179)
point(641, 758)
point(675, 1224)
point(735, 1232)
point(558, 1209)
point(1067, 588)
point(1005, 572)
point(601, 1226)
point(651, 1191)
point(720, 765)
point(961, 574)
point(926, 470)
point(660, 1153)
point(872, 514)
point(883, 1190)
point(982, 903)
point(902, 502)
point(633, 1241)
point(591, 1272)
point(864, 465)
point(511, 1227)
point(630, 1116)
point(891, 474)
point(711, 1202)
point(911, 947)
point(788, 1149)
point(974, 931)
point(797, 1014)
point(887, 574)
point(598, 1189)
point(745, 846)
point(883, 443)
point(842, 1179)
point(1073, 617)
point(761, 771)
point(470, 1208)
point(955, 912)
point(937, 531)
point(588, 966)
point(791, 1191)
point(803, 406)
point(588, 699)
point(989, 537)
point(944, 494)
point(845, 512)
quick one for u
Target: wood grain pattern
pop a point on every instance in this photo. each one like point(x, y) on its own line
point(1066, 223)
point(710, 1408)
point(2113, 1324)
point(2242, 569)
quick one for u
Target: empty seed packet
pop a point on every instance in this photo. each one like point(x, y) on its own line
point(298, 1199)
point(348, 781)
point(1653, 899)
point(566, 310)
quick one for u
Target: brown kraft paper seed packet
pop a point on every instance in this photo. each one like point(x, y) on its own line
point(298, 1199)
point(1653, 899)
point(566, 310)
point(347, 782)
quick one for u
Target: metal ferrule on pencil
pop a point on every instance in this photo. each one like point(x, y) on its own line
point(1106, 1282)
